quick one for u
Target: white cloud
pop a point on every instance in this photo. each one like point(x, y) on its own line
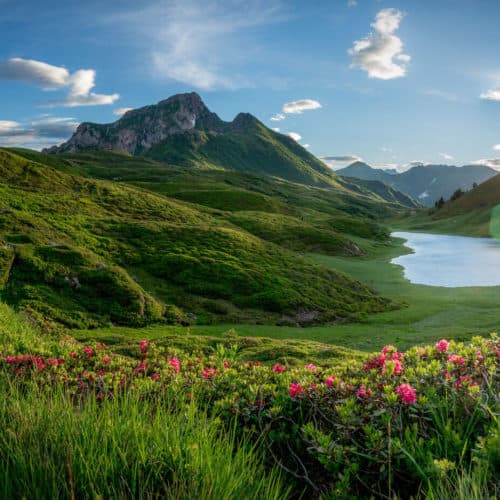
point(50, 78)
point(380, 54)
point(446, 156)
point(298, 107)
point(294, 135)
point(493, 163)
point(491, 95)
point(306, 146)
point(121, 111)
point(201, 43)
point(7, 126)
point(496, 147)
point(278, 117)
point(340, 161)
point(38, 133)
point(276, 129)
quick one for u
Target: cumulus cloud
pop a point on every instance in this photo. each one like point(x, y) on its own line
point(496, 147)
point(37, 133)
point(278, 117)
point(294, 135)
point(491, 95)
point(446, 156)
point(121, 111)
point(380, 54)
point(298, 107)
point(50, 78)
point(307, 146)
point(276, 129)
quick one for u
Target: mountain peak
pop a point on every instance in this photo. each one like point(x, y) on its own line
point(140, 129)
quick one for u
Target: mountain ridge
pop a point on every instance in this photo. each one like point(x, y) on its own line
point(425, 183)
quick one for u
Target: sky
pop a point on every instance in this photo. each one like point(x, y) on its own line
point(389, 82)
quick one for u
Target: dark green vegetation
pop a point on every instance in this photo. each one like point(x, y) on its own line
point(475, 213)
point(424, 315)
point(84, 252)
point(424, 183)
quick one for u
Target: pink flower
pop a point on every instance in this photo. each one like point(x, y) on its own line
point(397, 367)
point(311, 367)
point(295, 390)
point(277, 368)
point(443, 345)
point(363, 392)
point(226, 364)
point(209, 373)
point(143, 346)
point(53, 361)
point(155, 376)
point(330, 380)
point(388, 348)
point(89, 352)
point(457, 360)
point(254, 363)
point(479, 356)
point(407, 393)
point(106, 360)
point(175, 364)
point(10, 359)
point(73, 355)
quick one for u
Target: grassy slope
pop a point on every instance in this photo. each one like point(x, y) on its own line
point(473, 214)
point(427, 317)
point(76, 238)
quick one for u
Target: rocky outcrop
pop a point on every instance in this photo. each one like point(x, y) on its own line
point(140, 129)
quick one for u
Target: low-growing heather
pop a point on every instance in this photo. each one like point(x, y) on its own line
point(399, 424)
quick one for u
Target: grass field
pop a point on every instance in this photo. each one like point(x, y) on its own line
point(425, 315)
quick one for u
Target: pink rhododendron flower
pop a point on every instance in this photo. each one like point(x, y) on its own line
point(454, 358)
point(396, 367)
point(175, 364)
point(254, 363)
point(155, 376)
point(295, 390)
point(10, 359)
point(106, 360)
point(311, 367)
point(407, 393)
point(53, 361)
point(443, 345)
point(277, 368)
point(226, 364)
point(209, 373)
point(330, 380)
point(89, 352)
point(363, 392)
point(73, 355)
point(388, 348)
point(143, 346)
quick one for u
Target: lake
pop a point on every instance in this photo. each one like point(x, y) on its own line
point(450, 261)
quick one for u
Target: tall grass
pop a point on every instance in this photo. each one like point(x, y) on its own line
point(129, 448)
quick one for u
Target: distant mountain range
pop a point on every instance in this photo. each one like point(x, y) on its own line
point(425, 183)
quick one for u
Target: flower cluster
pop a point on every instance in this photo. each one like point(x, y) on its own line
point(335, 417)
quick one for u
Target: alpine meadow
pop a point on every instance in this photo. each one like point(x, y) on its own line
point(223, 273)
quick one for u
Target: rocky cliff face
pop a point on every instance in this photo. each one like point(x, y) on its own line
point(140, 129)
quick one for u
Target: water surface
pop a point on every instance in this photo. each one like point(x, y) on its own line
point(450, 261)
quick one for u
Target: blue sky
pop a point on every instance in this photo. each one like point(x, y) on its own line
point(391, 82)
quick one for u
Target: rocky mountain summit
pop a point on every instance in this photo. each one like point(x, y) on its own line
point(140, 129)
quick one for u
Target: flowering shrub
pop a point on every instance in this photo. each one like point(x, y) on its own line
point(397, 416)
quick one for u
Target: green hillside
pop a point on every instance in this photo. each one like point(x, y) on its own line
point(473, 214)
point(83, 252)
